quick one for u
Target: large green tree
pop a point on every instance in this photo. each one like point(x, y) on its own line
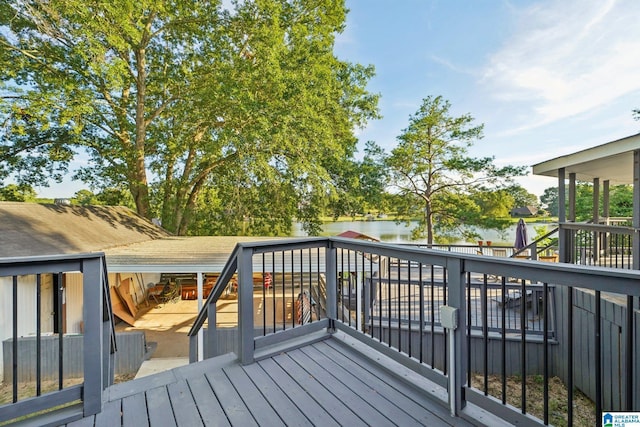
point(521, 197)
point(432, 170)
point(17, 193)
point(361, 185)
point(183, 103)
point(620, 201)
point(549, 200)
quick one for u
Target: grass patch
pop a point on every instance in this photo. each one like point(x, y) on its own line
point(28, 389)
point(584, 410)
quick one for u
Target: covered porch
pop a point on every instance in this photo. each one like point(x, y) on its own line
point(604, 240)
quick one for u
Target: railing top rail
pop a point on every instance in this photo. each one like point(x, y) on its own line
point(294, 243)
point(227, 273)
point(45, 263)
point(619, 229)
point(596, 278)
point(49, 258)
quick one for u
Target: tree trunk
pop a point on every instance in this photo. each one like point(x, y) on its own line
point(140, 184)
point(428, 216)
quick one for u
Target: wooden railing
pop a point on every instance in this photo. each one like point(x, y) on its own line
point(600, 245)
point(21, 280)
point(391, 297)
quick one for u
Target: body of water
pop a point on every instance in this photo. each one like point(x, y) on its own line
point(390, 232)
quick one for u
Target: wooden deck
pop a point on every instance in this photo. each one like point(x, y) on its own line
point(325, 383)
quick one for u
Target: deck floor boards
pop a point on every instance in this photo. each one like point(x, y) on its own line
point(276, 397)
point(320, 384)
point(132, 407)
point(208, 406)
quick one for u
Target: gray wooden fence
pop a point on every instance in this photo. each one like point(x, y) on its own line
point(613, 312)
point(129, 357)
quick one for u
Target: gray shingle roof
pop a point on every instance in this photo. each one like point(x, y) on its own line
point(37, 229)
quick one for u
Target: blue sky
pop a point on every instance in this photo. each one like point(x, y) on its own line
point(546, 78)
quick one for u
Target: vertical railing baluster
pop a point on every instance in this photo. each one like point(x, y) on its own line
point(365, 291)
point(445, 274)
point(421, 307)
point(389, 303)
point(372, 295)
point(410, 309)
point(311, 299)
point(284, 297)
point(398, 303)
point(523, 342)
point(433, 319)
point(485, 334)
point(264, 296)
point(630, 355)
point(294, 314)
point(598, 355)
point(545, 355)
point(569, 308)
point(274, 288)
point(349, 289)
point(340, 293)
point(60, 333)
point(38, 334)
point(503, 339)
point(331, 261)
point(468, 337)
point(14, 346)
point(380, 300)
point(318, 269)
point(301, 293)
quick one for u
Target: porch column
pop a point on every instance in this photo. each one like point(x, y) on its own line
point(572, 197)
point(572, 254)
point(606, 192)
point(563, 235)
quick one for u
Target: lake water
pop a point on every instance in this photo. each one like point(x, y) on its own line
point(390, 232)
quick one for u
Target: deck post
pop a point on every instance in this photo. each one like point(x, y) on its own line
point(94, 350)
point(635, 242)
point(200, 332)
point(212, 347)
point(563, 235)
point(245, 306)
point(595, 249)
point(331, 278)
point(458, 365)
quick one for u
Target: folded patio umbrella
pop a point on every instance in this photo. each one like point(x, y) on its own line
point(521, 235)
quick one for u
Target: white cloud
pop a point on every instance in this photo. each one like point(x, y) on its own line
point(566, 58)
point(450, 65)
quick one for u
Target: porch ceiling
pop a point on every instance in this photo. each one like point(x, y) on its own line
point(612, 161)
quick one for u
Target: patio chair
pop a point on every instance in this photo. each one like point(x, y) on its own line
point(163, 292)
